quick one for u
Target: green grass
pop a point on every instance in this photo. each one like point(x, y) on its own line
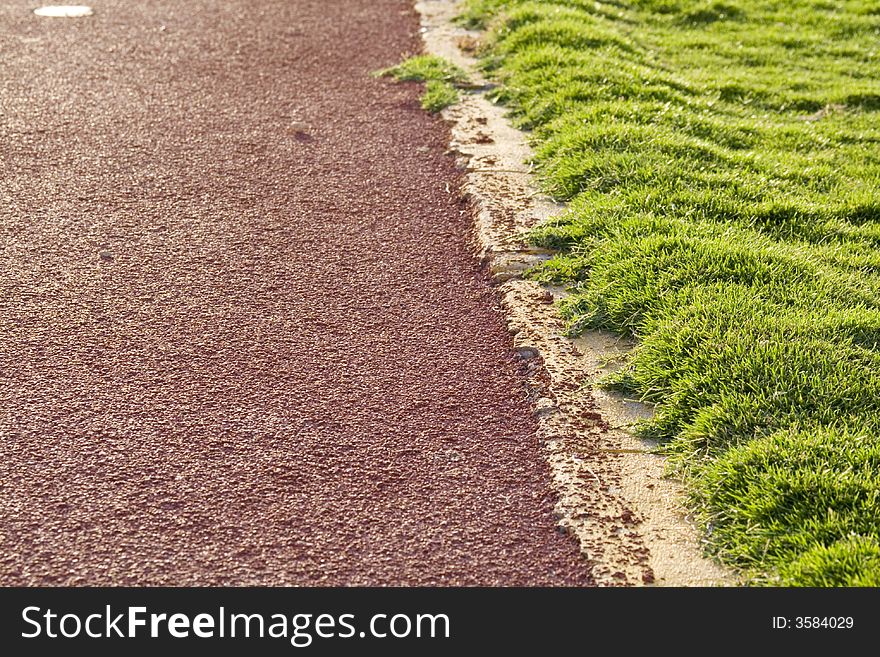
point(722, 163)
point(439, 76)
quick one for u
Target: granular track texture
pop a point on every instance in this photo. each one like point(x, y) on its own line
point(243, 337)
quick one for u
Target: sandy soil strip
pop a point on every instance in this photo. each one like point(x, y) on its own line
point(612, 491)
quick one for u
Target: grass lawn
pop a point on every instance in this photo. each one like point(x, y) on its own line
point(722, 163)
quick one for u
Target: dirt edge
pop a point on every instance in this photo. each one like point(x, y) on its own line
point(613, 495)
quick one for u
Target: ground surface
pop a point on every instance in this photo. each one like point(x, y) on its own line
point(244, 340)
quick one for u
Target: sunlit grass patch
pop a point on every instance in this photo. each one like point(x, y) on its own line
point(439, 76)
point(722, 164)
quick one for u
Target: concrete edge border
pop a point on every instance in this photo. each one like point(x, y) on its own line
point(612, 492)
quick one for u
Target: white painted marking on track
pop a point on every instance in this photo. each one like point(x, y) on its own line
point(64, 11)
